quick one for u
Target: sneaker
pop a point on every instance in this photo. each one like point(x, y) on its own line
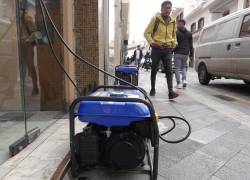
point(152, 92)
point(184, 83)
point(173, 95)
point(179, 86)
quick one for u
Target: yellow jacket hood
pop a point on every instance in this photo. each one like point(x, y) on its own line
point(165, 34)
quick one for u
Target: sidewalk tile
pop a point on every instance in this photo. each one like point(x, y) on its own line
point(215, 178)
point(224, 126)
point(177, 152)
point(239, 135)
point(198, 166)
point(205, 135)
point(222, 149)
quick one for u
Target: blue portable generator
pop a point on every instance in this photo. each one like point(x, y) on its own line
point(121, 132)
point(127, 73)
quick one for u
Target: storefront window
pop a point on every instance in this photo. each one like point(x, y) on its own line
point(11, 115)
point(43, 78)
point(32, 84)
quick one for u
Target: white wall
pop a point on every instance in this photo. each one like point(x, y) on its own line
point(215, 16)
point(195, 18)
point(234, 6)
point(241, 4)
point(210, 17)
point(103, 36)
point(202, 13)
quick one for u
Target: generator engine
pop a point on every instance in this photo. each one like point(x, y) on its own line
point(121, 132)
point(116, 147)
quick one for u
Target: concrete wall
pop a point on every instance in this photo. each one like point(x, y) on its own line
point(103, 25)
point(68, 34)
point(241, 4)
point(86, 43)
point(120, 9)
point(118, 33)
point(76, 32)
point(234, 6)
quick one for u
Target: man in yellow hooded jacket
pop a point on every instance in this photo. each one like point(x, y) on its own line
point(29, 29)
point(161, 35)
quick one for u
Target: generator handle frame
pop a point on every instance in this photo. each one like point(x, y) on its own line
point(154, 128)
point(134, 73)
point(120, 87)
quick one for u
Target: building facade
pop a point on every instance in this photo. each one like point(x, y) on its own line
point(118, 33)
point(209, 11)
point(178, 13)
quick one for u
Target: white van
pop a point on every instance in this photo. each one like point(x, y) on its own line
point(224, 49)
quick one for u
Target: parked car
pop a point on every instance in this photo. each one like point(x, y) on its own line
point(224, 49)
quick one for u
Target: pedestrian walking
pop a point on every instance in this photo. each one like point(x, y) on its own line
point(147, 63)
point(161, 35)
point(138, 56)
point(181, 53)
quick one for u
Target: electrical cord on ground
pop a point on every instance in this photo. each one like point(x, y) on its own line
point(172, 118)
point(44, 11)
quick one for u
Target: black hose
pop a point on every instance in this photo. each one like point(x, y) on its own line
point(171, 129)
point(42, 5)
point(172, 118)
point(59, 61)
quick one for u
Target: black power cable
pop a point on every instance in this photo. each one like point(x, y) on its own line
point(58, 60)
point(42, 5)
point(171, 118)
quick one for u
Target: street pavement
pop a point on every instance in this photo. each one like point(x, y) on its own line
point(218, 148)
point(219, 145)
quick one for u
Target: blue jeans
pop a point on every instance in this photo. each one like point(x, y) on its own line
point(180, 62)
point(138, 63)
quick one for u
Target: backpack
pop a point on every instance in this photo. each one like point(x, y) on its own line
point(156, 25)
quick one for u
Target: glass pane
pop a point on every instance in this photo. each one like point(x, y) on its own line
point(245, 30)
point(44, 83)
point(11, 115)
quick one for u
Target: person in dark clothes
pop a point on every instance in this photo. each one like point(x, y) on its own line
point(182, 51)
point(138, 56)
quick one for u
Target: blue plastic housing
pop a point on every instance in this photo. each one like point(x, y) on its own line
point(127, 69)
point(110, 114)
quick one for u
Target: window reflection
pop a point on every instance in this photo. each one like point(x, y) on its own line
point(38, 90)
point(28, 42)
point(9, 64)
point(11, 115)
